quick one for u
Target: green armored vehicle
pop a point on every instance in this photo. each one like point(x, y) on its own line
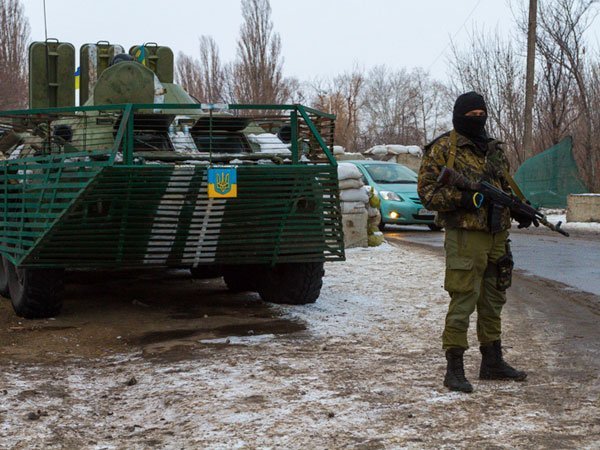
point(144, 175)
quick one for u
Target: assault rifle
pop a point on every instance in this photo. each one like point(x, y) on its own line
point(450, 177)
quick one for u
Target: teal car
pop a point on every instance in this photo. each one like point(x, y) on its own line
point(396, 186)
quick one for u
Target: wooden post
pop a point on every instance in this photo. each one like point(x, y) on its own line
point(529, 81)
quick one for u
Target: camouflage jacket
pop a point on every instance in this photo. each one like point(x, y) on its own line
point(473, 164)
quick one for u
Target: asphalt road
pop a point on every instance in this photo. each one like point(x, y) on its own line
point(573, 261)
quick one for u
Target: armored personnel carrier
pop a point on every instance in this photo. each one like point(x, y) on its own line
point(144, 175)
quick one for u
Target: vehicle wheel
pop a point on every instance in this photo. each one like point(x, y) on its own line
point(292, 283)
point(243, 278)
point(4, 291)
point(434, 227)
point(205, 272)
point(35, 293)
point(381, 226)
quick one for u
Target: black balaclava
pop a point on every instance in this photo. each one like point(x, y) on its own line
point(472, 127)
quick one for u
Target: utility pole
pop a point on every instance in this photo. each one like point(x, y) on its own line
point(529, 79)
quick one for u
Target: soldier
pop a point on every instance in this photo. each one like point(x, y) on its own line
point(478, 257)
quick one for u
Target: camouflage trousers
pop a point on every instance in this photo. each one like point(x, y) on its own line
point(472, 282)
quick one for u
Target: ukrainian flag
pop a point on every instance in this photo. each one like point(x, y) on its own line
point(77, 76)
point(222, 182)
point(140, 54)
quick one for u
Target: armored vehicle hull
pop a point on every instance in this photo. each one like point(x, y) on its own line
point(184, 185)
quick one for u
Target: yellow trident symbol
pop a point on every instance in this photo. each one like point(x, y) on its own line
point(222, 183)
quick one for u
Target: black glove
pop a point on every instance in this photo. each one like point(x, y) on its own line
point(524, 220)
point(471, 200)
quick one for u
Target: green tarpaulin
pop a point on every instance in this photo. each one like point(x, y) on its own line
point(548, 178)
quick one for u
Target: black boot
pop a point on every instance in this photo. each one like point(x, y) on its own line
point(455, 372)
point(493, 366)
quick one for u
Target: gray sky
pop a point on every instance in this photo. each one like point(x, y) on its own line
point(319, 37)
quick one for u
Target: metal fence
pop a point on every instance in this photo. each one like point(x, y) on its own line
point(126, 186)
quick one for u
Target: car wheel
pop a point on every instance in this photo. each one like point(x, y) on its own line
point(35, 293)
point(292, 283)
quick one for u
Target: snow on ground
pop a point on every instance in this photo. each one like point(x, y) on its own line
point(559, 215)
point(366, 373)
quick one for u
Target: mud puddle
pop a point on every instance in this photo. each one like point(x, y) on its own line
point(152, 312)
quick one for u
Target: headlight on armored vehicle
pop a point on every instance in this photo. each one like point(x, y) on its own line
point(389, 195)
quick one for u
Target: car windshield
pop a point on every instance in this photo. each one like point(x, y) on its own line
point(391, 173)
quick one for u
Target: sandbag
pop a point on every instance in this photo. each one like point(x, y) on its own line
point(373, 212)
point(372, 229)
point(375, 239)
point(348, 171)
point(354, 195)
point(377, 150)
point(352, 207)
point(351, 183)
point(269, 143)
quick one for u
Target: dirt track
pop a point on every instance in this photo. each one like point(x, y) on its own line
point(161, 360)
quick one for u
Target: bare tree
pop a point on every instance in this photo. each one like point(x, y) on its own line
point(432, 103)
point(556, 92)
point(204, 79)
point(257, 73)
point(189, 75)
point(562, 27)
point(212, 72)
point(342, 96)
point(492, 67)
point(294, 90)
point(14, 39)
point(391, 108)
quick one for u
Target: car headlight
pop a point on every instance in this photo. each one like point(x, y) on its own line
point(389, 195)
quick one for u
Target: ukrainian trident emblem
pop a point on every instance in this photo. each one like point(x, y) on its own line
point(222, 182)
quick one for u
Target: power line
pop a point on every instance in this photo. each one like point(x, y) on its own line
point(454, 36)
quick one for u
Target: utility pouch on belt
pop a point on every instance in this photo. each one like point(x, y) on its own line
point(505, 266)
point(495, 217)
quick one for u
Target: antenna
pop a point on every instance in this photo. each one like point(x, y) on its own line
point(45, 23)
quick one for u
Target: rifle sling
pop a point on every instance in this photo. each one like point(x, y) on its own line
point(452, 151)
point(514, 186)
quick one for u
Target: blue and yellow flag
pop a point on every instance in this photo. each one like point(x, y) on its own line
point(77, 76)
point(140, 54)
point(222, 182)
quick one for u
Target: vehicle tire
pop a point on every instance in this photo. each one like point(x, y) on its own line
point(206, 272)
point(35, 293)
point(243, 278)
point(292, 283)
point(381, 226)
point(434, 227)
point(4, 291)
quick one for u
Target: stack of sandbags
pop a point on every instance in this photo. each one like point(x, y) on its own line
point(407, 155)
point(354, 197)
point(394, 149)
point(354, 200)
point(269, 143)
point(397, 149)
